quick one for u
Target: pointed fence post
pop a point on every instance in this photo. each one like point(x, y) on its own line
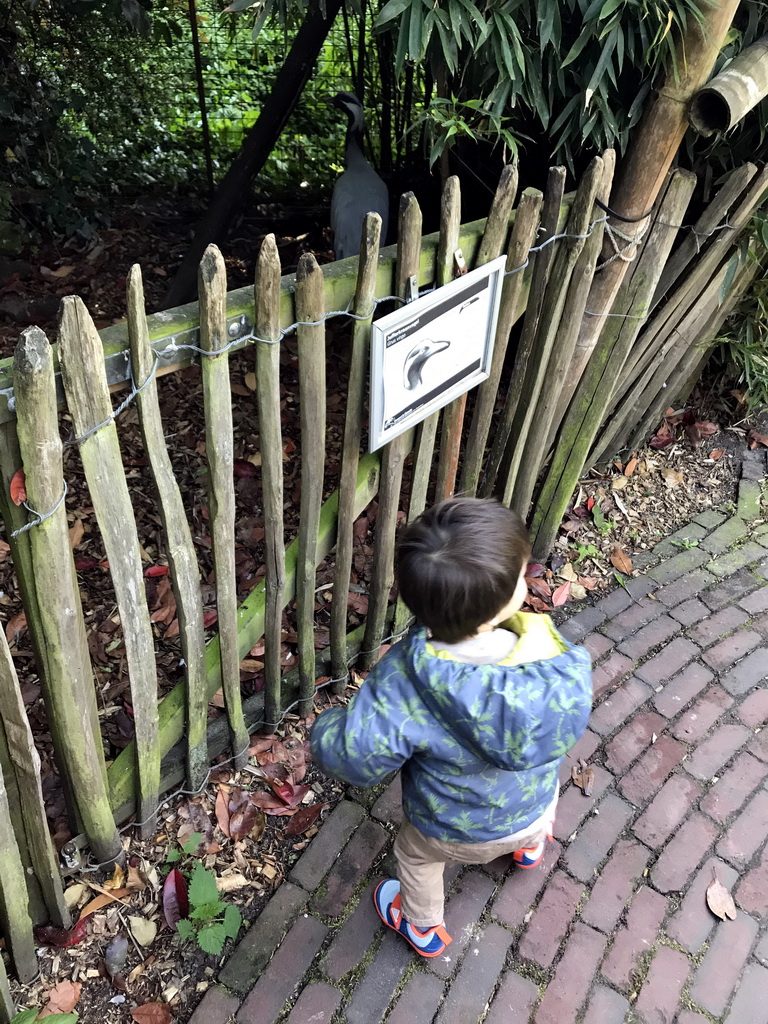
point(85, 383)
point(363, 306)
point(266, 292)
point(393, 458)
point(310, 307)
point(593, 395)
point(512, 304)
point(453, 414)
point(182, 560)
point(68, 686)
point(550, 215)
point(219, 452)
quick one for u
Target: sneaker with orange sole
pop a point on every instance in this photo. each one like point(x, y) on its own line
point(427, 942)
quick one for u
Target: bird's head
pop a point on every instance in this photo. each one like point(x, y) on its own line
point(352, 107)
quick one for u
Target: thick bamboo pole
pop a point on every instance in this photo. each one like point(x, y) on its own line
point(382, 576)
point(728, 97)
point(182, 560)
point(266, 293)
point(350, 457)
point(453, 414)
point(68, 685)
point(219, 453)
point(526, 457)
point(550, 216)
point(639, 179)
point(310, 308)
point(511, 308)
point(588, 407)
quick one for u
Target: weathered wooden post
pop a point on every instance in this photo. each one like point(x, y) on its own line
point(729, 96)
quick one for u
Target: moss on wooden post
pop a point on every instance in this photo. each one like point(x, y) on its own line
point(219, 453)
point(587, 409)
point(7, 1009)
point(14, 904)
point(182, 560)
point(68, 686)
point(266, 291)
point(23, 761)
point(250, 630)
point(350, 456)
point(310, 308)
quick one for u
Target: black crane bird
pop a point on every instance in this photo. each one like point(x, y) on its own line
point(359, 190)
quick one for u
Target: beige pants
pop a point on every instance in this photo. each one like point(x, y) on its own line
point(421, 860)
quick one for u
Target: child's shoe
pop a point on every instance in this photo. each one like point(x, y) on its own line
point(530, 857)
point(427, 942)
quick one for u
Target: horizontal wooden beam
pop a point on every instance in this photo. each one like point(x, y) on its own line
point(181, 325)
point(250, 623)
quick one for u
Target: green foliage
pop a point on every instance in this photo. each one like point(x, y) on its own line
point(743, 346)
point(210, 920)
point(586, 550)
point(188, 848)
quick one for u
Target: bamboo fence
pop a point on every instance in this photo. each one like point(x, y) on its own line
point(547, 410)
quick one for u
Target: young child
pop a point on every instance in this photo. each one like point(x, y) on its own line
point(478, 705)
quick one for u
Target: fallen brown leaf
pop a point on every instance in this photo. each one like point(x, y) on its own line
point(620, 560)
point(61, 999)
point(583, 776)
point(15, 627)
point(630, 467)
point(719, 900)
point(76, 532)
point(672, 477)
point(152, 1013)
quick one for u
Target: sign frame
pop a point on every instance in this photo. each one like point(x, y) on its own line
point(406, 383)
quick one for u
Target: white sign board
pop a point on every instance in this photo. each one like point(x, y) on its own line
point(433, 350)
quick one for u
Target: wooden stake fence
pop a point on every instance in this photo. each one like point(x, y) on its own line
point(666, 309)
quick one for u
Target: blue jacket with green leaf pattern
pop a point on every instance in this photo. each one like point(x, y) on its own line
point(480, 745)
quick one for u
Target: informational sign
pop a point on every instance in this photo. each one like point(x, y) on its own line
point(432, 350)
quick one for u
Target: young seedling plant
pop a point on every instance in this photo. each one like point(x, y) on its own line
point(195, 909)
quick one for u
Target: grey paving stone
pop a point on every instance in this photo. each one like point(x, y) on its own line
point(313, 865)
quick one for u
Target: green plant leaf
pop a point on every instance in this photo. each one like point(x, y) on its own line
point(390, 11)
point(26, 1017)
point(193, 842)
point(185, 928)
point(207, 911)
point(202, 887)
point(233, 919)
point(211, 939)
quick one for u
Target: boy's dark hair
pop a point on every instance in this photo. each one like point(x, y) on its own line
point(459, 564)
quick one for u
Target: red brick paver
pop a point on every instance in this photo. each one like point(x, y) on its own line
point(613, 926)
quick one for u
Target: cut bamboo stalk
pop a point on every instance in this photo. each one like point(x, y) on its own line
point(7, 1009)
point(14, 904)
point(266, 292)
point(699, 233)
point(641, 177)
point(511, 308)
point(393, 457)
point(25, 762)
point(453, 414)
point(553, 196)
point(310, 307)
point(182, 560)
point(68, 686)
point(552, 401)
point(87, 391)
point(728, 97)
point(251, 623)
point(219, 453)
point(525, 460)
point(350, 457)
point(587, 410)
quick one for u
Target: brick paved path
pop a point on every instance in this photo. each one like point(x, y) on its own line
point(614, 926)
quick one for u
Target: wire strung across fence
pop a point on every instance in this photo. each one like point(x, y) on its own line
point(613, 233)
